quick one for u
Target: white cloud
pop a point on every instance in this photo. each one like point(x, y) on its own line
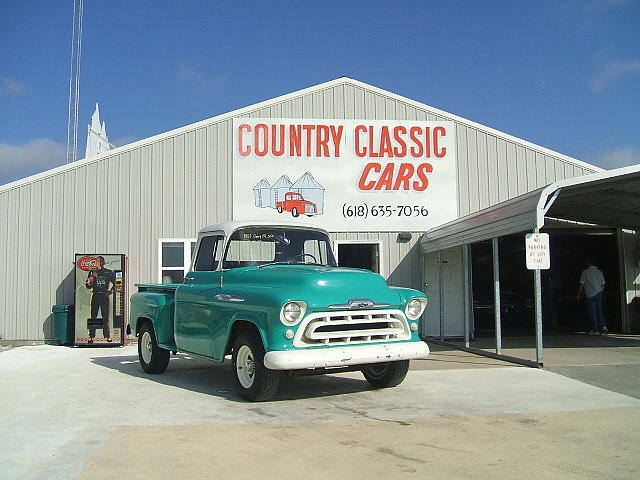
point(612, 72)
point(195, 77)
point(620, 157)
point(10, 88)
point(19, 161)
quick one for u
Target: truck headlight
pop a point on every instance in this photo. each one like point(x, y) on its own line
point(415, 307)
point(292, 312)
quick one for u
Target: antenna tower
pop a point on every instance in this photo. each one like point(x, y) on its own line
point(74, 82)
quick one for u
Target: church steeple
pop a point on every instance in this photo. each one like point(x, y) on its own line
point(97, 140)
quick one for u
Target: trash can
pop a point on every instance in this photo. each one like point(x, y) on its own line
point(63, 324)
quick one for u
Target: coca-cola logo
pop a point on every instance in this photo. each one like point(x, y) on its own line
point(88, 263)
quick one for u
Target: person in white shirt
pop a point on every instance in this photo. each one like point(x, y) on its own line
point(592, 284)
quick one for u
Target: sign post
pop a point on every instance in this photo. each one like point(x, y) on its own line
point(538, 258)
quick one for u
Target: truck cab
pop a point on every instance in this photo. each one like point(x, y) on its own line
point(273, 297)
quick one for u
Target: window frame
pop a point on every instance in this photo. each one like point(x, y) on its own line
point(196, 251)
point(187, 258)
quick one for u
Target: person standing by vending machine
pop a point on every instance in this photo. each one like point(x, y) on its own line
point(101, 280)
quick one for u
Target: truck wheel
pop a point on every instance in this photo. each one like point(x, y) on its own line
point(254, 381)
point(294, 212)
point(279, 209)
point(153, 358)
point(383, 375)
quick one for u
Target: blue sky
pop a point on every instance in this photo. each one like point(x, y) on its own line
point(562, 74)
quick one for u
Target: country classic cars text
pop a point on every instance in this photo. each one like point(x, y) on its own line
point(396, 152)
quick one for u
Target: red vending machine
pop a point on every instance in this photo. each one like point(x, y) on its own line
point(100, 294)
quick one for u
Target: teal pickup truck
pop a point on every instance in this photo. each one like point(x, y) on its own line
point(272, 297)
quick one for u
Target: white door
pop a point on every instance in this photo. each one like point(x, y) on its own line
point(453, 287)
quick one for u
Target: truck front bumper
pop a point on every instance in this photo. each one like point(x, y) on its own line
point(344, 356)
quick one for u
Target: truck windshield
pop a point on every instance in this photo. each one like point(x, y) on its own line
point(262, 246)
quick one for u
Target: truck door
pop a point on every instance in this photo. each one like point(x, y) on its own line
point(195, 319)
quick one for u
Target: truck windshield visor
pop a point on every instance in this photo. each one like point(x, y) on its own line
point(260, 246)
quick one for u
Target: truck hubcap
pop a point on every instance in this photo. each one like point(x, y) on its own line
point(146, 347)
point(245, 366)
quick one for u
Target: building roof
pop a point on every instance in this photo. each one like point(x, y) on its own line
point(264, 183)
point(283, 181)
point(258, 106)
point(610, 199)
point(307, 181)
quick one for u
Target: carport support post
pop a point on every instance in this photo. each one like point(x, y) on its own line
point(441, 288)
point(467, 292)
point(496, 294)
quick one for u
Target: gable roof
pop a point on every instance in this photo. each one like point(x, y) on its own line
point(275, 100)
point(282, 182)
point(307, 181)
point(264, 183)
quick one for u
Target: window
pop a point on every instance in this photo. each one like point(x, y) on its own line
point(257, 246)
point(174, 259)
point(209, 253)
point(360, 254)
point(315, 251)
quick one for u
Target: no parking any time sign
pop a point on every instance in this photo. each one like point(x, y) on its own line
point(537, 251)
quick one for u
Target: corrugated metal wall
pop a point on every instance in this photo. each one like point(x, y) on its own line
point(172, 186)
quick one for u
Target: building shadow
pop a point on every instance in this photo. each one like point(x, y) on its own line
point(216, 379)
point(407, 271)
point(64, 295)
point(577, 340)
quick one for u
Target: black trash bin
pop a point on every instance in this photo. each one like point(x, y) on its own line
point(63, 324)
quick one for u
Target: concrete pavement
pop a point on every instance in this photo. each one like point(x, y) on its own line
point(92, 413)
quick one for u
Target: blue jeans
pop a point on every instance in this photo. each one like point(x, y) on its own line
point(595, 313)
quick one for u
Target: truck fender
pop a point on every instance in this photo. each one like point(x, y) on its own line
point(240, 322)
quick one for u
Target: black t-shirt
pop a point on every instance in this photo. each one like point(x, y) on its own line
point(102, 278)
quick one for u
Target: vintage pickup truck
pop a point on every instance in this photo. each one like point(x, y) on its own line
point(272, 297)
point(296, 204)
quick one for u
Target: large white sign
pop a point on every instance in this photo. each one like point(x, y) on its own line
point(538, 252)
point(345, 175)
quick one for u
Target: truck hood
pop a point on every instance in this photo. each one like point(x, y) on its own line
point(318, 285)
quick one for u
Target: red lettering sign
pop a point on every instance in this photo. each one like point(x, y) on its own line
point(88, 263)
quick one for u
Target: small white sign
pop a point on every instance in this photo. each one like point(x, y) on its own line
point(537, 251)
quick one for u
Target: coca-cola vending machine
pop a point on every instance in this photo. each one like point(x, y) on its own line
point(100, 298)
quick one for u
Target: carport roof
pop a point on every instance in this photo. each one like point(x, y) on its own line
point(610, 198)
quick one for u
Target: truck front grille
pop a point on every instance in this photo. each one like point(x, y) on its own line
point(352, 327)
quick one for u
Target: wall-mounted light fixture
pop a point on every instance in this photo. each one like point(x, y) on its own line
point(404, 237)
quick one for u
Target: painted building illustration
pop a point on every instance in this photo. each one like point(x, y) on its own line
point(311, 190)
point(279, 190)
point(306, 188)
point(262, 193)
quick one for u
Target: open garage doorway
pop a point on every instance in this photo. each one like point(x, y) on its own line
point(562, 313)
point(359, 255)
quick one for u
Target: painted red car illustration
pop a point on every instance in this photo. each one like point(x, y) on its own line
point(295, 203)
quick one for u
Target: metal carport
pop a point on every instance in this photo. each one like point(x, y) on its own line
point(609, 198)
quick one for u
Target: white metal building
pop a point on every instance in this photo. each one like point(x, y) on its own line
point(149, 198)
